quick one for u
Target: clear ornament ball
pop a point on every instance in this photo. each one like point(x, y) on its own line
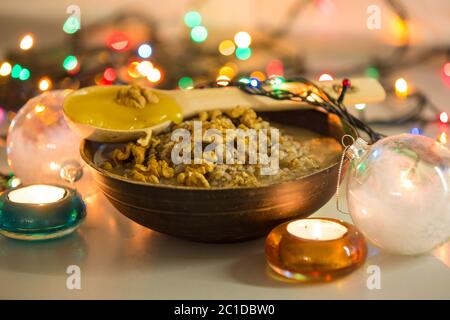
point(398, 193)
point(42, 149)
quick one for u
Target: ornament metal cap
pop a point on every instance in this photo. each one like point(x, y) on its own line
point(357, 149)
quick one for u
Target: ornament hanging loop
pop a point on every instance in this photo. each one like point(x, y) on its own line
point(341, 164)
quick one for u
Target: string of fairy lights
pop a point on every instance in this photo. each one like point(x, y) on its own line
point(121, 59)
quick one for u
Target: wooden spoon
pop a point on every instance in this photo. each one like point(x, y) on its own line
point(191, 102)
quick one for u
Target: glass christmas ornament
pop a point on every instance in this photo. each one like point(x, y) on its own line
point(42, 149)
point(398, 192)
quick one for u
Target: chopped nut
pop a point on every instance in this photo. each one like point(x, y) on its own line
point(136, 97)
point(203, 116)
point(214, 114)
point(236, 112)
point(107, 166)
point(153, 179)
point(181, 178)
point(152, 162)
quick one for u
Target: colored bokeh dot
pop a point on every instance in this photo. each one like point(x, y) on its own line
point(70, 63)
point(443, 117)
point(242, 39)
point(27, 42)
point(144, 68)
point(227, 47)
point(446, 69)
point(401, 87)
point(192, 19)
point(24, 74)
point(145, 50)
point(154, 75)
point(223, 80)
point(325, 77)
point(71, 25)
point(227, 71)
point(5, 69)
point(45, 84)
point(118, 41)
point(258, 75)
point(109, 74)
point(199, 34)
point(254, 82)
point(243, 53)
point(372, 72)
point(276, 82)
point(15, 72)
point(185, 83)
point(133, 70)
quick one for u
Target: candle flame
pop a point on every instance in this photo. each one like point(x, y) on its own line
point(37, 194)
point(317, 231)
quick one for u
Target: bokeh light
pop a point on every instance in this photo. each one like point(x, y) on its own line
point(258, 75)
point(401, 88)
point(132, 70)
point(227, 71)
point(99, 80)
point(276, 82)
point(24, 74)
point(144, 68)
point(227, 47)
point(242, 39)
point(5, 69)
point(15, 72)
point(275, 68)
point(27, 42)
point(442, 137)
point(243, 53)
point(254, 82)
point(118, 41)
point(110, 74)
point(199, 34)
point(154, 75)
point(186, 83)
point(71, 25)
point(400, 30)
point(325, 77)
point(446, 69)
point(443, 117)
point(70, 63)
point(415, 131)
point(360, 106)
point(192, 19)
point(144, 50)
point(44, 84)
point(372, 72)
point(223, 80)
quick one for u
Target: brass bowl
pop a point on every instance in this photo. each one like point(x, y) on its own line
point(225, 214)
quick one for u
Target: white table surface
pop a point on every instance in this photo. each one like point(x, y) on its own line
point(122, 260)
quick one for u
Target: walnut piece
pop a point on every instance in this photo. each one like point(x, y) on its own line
point(136, 97)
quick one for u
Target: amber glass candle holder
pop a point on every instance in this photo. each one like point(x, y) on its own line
point(315, 249)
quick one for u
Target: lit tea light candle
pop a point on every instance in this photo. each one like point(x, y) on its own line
point(315, 249)
point(37, 194)
point(40, 212)
point(316, 229)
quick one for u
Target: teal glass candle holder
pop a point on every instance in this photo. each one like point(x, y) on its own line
point(40, 212)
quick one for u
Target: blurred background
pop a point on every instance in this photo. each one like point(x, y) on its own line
point(181, 44)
